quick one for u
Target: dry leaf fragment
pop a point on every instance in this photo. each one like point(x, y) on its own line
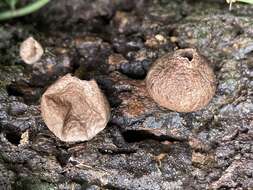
point(24, 138)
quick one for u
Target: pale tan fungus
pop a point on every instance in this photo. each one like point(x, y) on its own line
point(30, 51)
point(181, 81)
point(74, 109)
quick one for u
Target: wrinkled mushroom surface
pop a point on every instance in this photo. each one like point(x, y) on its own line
point(75, 110)
point(181, 81)
point(30, 51)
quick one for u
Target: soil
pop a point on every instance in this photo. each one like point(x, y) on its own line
point(144, 146)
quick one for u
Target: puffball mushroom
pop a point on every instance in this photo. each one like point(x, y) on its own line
point(181, 81)
point(30, 51)
point(75, 110)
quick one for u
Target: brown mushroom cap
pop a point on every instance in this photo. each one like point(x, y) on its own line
point(75, 110)
point(181, 81)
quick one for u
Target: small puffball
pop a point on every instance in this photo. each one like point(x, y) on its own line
point(75, 110)
point(181, 81)
point(30, 51)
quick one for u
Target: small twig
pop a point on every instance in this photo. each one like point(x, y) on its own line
point(230, 2)
point(23, 11)
point(230, 6)
point(246, 1)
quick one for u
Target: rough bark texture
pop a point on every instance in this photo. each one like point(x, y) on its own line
point(144, 146)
